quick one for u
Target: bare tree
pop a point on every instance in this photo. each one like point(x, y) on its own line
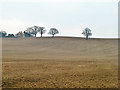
point(41, 30)
point(32, 30)
point(20, 34)
point(87, 32)
point(53, 31)
point(3, 33)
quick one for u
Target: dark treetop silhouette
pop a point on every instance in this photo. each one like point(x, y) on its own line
point(34, 30)
point(53, 31)
point(41, 30)
point(87, 32)
point(3, 33)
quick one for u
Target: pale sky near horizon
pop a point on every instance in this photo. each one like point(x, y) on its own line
point(69, 17)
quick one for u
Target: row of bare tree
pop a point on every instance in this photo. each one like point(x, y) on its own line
point(36, 29)
point(32, 32)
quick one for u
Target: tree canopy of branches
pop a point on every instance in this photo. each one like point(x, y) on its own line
point(32, 30)
point(20, 34)
point(53, 31)
point(3, 34)
point(41, 30)
point(87, 32)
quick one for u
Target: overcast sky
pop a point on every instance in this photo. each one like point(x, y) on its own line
point(69, 17)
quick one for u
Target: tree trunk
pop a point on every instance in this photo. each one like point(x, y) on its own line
point(35, 35)
point(41, 35)
point(86, 37)
point(53, 36)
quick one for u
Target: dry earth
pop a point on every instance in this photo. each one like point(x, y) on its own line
point(60, 62)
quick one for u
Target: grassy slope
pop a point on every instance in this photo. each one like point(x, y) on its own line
point(59, 62)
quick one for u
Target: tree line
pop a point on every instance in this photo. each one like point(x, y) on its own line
point(34, 30)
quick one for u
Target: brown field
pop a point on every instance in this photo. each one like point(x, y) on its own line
point(60, 63)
